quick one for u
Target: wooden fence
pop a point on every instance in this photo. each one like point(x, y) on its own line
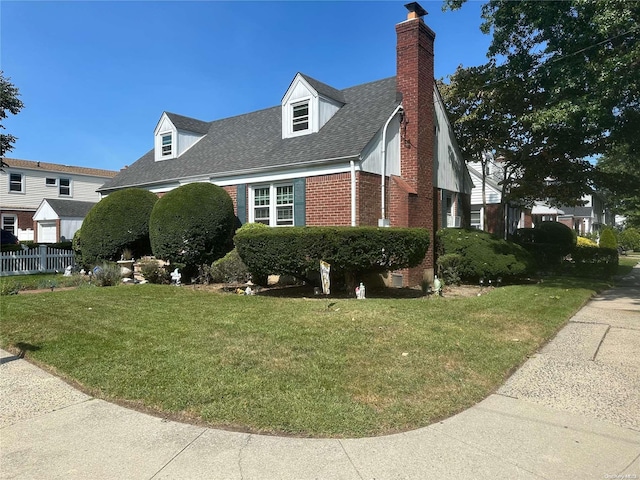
point(41, 259)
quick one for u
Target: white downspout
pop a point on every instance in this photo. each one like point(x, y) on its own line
point(381, 222)
point(353, 192)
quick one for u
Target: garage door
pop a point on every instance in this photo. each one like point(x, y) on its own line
point(47, 232)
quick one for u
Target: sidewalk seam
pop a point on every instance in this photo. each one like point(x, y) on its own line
point(178, 454)
point(601, 342)
point(350, 461)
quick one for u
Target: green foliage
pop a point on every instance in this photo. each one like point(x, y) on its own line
point(629, 239)
point(608, 239)
point(555, 92)
point(483, 255)
point(449, 268)
point(192, 225)
point(9, 287)
point(9, 103)
point(595, 262)
point(549, 242)
point(230, 269)
point(107, 275)
point(351, 251)
point(153, 272)
point(118, 222)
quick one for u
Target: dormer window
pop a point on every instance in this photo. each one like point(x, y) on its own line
point(300, 116)
point(166, 145)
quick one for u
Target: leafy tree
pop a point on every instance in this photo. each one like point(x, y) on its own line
point(619, 175)
point(560, 86)
point(9, 103)
point(192, 226)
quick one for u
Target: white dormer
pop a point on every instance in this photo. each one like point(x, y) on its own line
point(176, 134)
point(307, 106)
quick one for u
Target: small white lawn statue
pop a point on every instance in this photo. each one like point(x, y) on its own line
point(360, 291)
point(176, 276)
point(67, 271)
point(437, 286)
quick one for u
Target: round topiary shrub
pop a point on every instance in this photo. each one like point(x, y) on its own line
point(560, 236)
point(118, 222)
point(192, 225)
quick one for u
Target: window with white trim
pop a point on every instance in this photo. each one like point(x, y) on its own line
point(51, 182)
point(65, 187)
point(167, 144)
point(476, 218)
point(16, 183)
point(10, 224)
point(300, 116)
point(272, 205)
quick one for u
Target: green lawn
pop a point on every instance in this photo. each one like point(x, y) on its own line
point(297, 366)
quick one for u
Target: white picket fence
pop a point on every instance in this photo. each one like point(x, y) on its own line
point(41, 259)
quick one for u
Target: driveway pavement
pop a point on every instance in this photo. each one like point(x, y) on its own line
point(571, 412)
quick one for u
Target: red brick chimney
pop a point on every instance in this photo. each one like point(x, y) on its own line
point(415, 81)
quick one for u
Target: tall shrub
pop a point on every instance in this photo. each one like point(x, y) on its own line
point(548, 242)
point(482, 255)
point(192, 225)
point(118, 222)
point(629, 239)
point(608, 239)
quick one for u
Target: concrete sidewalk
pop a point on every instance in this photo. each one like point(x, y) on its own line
point(571, 412)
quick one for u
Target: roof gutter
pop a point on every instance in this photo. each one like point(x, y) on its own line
point(238, 172)
point(383, 219)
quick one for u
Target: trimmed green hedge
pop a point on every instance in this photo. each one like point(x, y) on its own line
point(482, 255)
point(608, 239)
point(192, 226)
point(595, 262)
point(118, 222)
point(351, 251)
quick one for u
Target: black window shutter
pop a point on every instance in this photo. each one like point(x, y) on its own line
point(299, 202)
point(241, 203)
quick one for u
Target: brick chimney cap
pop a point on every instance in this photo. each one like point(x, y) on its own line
point(415, 7)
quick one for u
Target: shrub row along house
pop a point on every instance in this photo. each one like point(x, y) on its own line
point(381, 153)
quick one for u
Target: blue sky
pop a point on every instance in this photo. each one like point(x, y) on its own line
point(96, 76)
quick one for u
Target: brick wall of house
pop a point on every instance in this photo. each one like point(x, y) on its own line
point(328, 200)
point(416, 83)
point(368, 200)
point(233, 193)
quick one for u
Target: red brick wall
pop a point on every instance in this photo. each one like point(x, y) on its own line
point(416, 83)
point(328, 200)
point(233, 193)
point(368, 199)
point(25, 219)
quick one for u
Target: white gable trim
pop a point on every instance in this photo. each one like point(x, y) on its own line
point(45, 212)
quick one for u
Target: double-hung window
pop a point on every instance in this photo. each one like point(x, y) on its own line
point(272, 205)
point(10, 224)
point(300, 116)
point(167, 145)
point(65, 187)
point(16, 183)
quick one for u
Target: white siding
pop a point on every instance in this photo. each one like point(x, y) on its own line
point(45, 212)
point(165, 126)
point(450, 168)
point(69, 226)
point(327, 109)
point(372, 154)
point(186, 140)
point(83, 188)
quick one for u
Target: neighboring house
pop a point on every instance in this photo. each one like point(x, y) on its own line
point(381, 153)
point(588, 219)
point(24, 185)
point(501, 220)
point(57, 220)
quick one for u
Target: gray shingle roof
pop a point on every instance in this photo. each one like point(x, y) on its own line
point(189, 124)
point(324, 89)
point(70, 208)
point(253, 141)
